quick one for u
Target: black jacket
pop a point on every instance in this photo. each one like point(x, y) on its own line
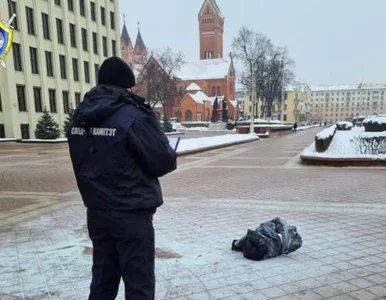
point(118, 151)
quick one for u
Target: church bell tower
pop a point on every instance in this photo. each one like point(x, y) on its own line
point(211, 23)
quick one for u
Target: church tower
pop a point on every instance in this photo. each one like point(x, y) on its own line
point(127, 49)
point(140, 51)
point(211, 23)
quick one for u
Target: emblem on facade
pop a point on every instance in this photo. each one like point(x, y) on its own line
point(6, 37)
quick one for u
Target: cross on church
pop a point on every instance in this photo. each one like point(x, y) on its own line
point(124, 18)
point(139, 25)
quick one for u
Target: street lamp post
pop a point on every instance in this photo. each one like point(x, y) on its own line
point(252, 125)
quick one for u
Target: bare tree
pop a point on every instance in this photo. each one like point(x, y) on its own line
point(157, 81)
point(251, 48)
point(271, 66)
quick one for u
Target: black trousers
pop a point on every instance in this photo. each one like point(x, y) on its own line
point(123, 247)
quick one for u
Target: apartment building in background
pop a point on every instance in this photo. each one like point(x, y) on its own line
point(341, 102)
point(57, 50)
point(295, 106)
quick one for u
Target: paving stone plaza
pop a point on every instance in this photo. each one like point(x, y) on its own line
point(212, 199)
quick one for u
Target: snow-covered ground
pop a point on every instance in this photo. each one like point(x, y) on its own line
point(206, 142)
point(307, 127)
point(60, 140)
point(345, 145)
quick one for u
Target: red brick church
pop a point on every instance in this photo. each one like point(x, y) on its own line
point(209, 79)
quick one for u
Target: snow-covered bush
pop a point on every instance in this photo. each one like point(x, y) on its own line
point(375, 124)
point(374, 145)
point(323, 139)
point(344, 125)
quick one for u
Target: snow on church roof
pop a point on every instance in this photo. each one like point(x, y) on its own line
point(199, 97)
point(204, 69)
point(193, 88)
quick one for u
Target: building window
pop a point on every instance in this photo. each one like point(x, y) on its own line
point(112, 20)
point(82, 9)
point(284, 117)
point(12, 10)
point(50, 68)
point(38, 99)
point(17, 57)
point(2, 131)
point(70, 4)
point(104, 45)
point(213, 91)
point(219, 90)
point(73, 35)
point(66, 102)
point(84, 39)
point(96, 70)
point(86, 71)
point(34, 60)
point(93, 13)
point(30, 20)
point(59, 29)
point(95, 42)
point(62, 63)
point(188, 116)
point(24, 128)
point(57, 2)
point(114, 47)
point(103, 16)
point(46, 26)
point(20, 91)
point(77, 99)
point(75, 70)
point(52, 97)
point(285, 107)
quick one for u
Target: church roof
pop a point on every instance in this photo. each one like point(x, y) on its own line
point(199, 97)
point(125, 37)
point(193, 88)
point(139, 42)
point(204, 69)
point(213, 3)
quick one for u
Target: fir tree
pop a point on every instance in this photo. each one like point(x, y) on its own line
point(47, 128)
point(168, 127)
point(215, 111)
point(68, 122)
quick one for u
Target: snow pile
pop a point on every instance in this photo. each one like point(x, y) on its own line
point(201, 129)
point(60, 140)
point(326, 133)
point(206, 142)
point(379, 120)
point(345, 123)
point(345, 145)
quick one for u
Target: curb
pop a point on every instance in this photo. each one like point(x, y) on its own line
point(40, 142)
point(342, 162)
point(174, 133)
point(10, 141)
point(191, 152)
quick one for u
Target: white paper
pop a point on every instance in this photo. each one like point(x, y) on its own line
point(173, 142)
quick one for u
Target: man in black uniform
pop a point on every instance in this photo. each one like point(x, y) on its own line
point(118, 153)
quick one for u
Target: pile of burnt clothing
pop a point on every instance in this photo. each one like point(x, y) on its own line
point(270, 239)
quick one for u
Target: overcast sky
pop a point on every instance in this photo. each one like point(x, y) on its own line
point(331, 41)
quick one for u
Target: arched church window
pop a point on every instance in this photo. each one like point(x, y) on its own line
point(188, 115)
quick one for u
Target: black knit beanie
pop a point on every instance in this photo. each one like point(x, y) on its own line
point(114, 71)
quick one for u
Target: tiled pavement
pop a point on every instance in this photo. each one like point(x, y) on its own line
point(212, 199)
